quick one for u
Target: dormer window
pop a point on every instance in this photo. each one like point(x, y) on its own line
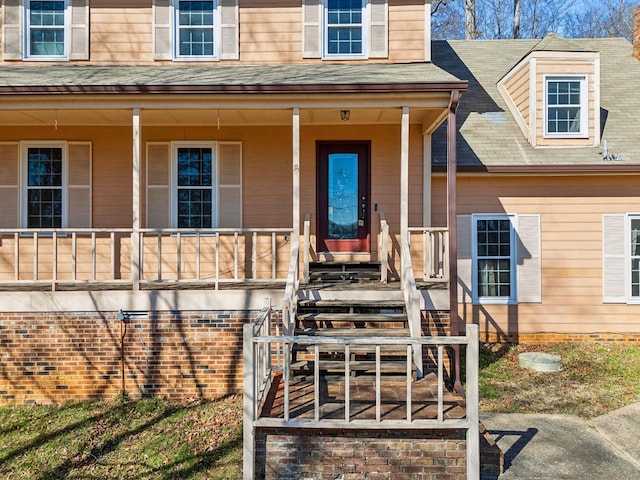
point(566, 107)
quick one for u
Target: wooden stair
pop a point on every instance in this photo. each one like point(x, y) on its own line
point(336, 272)
point(351, 318)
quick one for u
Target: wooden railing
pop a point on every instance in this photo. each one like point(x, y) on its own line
point(430, 247)
point(383, 248)
point(104, 256)
point(412, 304)
point(254, 348)
point(290, 301)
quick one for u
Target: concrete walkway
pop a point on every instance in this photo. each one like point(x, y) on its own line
point(560, 447)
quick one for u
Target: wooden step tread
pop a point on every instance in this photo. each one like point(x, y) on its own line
point(368, 366)
point(352, 317)
point(353, 332)
point(333, 348)
point(351, 303)
point(351, 263)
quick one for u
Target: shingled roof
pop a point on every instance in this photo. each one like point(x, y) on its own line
point(34, 79)
point(488, 135)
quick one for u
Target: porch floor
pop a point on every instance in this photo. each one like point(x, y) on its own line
point(362, 401)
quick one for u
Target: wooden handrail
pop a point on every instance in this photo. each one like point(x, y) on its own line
point(383, 248)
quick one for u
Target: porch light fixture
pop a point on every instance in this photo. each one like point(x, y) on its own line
point(345, 115)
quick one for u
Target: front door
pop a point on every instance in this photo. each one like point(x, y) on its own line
point(343, 197)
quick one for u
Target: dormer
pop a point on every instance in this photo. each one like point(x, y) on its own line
point(554, 94)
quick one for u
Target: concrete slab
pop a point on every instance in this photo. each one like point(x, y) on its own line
point(621, 429)
point(559, 447)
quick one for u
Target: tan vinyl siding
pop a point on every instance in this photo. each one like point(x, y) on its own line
point(121, 34)
point(571, 213)
point(565, 66)
point(518, 89)
point(406, 31)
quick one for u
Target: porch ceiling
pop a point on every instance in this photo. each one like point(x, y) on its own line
point(211, 117)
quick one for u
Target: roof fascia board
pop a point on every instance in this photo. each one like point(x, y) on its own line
point(537, 170)
point(253, 89)
point(204, 102)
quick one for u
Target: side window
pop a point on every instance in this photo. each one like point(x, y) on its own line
point(566, 107)
point(196, 29)
point(634, 256)
point(494, 259)
point(46, 30)
point(44, 173)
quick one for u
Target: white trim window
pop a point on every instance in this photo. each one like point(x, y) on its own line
point(566, 112)
point(196, 29)
point(345, 29)
point(44, 167)
point(634, 258)
point(494, 259)
point(194, 194)
point(47, 30)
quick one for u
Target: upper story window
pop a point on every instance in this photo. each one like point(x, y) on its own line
point(566, 107)
point(46, 30)
point(195, 29)
point(344, 28)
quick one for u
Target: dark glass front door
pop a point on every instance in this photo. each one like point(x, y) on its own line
point(343, 197)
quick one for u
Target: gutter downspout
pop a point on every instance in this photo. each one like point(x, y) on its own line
point(452, 165)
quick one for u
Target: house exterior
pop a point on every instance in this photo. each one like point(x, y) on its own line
point(169, 168)
point(159, 160)
point(547, 162)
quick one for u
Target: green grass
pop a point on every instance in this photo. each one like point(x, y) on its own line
point(596, 379)
point(156, 439)
point(146, 439)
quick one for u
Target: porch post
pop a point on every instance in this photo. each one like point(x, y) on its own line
point(404, 176)
point(452, 168)
point(135, 236)
point(426, 179)
point(296, 175)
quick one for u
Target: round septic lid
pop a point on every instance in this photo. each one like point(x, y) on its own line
point(543, 362)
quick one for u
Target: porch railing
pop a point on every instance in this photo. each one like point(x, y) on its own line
point(255, 355)
point(104, 256)
point(412, 304)
point(429, 247)
point(383, 248)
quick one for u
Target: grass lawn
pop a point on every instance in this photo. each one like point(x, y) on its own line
point(596, 379)
point(146, 439)
point(156, 439)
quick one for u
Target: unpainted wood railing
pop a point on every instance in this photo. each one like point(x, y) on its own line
point(430, 245)
point(255, 354)
point(383, 248)
point(104, 256)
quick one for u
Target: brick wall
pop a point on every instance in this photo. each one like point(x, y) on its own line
point(548, 338)
point(357, 455)
point(55, 357)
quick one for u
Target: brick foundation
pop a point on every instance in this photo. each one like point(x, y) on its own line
point(56, 357)
point(549, 338)
point(349, 455)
